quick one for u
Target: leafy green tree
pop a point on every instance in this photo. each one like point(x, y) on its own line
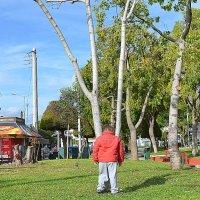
point(138, 45)
point(47, 135)
point(67, 108)
point(59, 114)
point(175, 91)
point(50, 118)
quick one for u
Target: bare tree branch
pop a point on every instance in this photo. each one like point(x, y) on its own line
point(157, 30)
point(70, 1)
point(126, 10)
point(188, 19)
point(128, 110)
point(66, 47)
point(143, 108)
point(93, 48)
point(92, 96)
point(131, 10)
point(121, 65)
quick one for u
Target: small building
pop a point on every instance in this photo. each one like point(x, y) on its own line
point(13, 131)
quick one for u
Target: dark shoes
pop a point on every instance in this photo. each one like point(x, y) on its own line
point(105, 191)
point(116, 193)
point(100, 191)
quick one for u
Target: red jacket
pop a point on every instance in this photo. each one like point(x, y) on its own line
point(108, 148)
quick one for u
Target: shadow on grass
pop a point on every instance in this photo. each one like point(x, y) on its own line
point(156, 180)
point(188, 168)
point(17, 167)
point(6, 183)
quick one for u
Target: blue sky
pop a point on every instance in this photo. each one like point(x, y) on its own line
point(24, 27)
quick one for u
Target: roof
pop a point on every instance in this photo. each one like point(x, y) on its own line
point(13, 127)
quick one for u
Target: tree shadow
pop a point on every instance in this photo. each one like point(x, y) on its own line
point(10, 183)
point(156, 180)
point(16, 167)
point(189, 168)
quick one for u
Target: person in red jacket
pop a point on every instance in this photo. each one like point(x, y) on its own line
point(108, 152)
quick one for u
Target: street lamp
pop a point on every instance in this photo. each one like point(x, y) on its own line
point(25, 106)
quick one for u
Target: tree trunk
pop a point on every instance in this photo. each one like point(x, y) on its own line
point(120, 78)
point(38, 152)
point(134, 150)
point(34, 154)
point(96, 116)
point(94, 100)
point(132, 128)
point(126, 16)
point(151, 134)
point(194, 133)
point(183, 140)
point(29, 155)
point(173, 114)
point(64, 139)
point(133, 143)
point(112, 117)
point(17, 156)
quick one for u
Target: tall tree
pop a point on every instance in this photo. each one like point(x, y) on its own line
point(93, 95)
point(61, 114)
point(175, 91)
point(135, 38)
point(159, 71)
point(149, 69)
point(132, 127)
point(129, 7)
point(191, 76)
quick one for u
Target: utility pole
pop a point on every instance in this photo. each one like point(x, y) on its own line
point(35, 93)
point(27, 120)
point(24, 114)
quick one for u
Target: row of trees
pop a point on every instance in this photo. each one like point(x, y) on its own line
point(127, 50)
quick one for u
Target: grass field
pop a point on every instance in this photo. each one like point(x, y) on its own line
point(62, 179)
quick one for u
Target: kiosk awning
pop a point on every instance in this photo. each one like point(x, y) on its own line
point(14, 127)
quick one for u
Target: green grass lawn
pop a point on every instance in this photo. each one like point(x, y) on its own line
point(61, 179)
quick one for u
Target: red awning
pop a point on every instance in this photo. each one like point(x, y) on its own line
point(16, 128)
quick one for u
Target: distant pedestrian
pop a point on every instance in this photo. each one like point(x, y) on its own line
point(108, 152)
point(54, 149)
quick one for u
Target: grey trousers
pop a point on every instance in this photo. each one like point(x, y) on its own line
point(107, 177)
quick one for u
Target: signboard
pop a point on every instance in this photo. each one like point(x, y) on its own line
point(6, 147)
